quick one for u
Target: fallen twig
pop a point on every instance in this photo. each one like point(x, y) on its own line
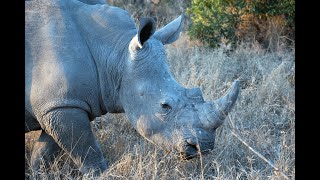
point(234, 132)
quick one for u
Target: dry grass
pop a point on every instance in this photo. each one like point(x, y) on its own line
point(264, 116)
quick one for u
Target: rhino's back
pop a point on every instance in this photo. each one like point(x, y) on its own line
point(59, 70)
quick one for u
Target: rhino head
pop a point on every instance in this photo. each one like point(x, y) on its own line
point(160, 109)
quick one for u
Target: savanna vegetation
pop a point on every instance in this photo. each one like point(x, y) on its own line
point(257, 140)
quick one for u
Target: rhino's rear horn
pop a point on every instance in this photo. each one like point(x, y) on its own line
point(195, 93)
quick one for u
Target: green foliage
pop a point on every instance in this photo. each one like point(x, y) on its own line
point(216, 21)
point(274, 8)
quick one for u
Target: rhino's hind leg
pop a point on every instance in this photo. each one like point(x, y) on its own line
point(71, 130)
point(44, 152)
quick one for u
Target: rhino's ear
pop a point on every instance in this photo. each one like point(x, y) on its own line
point(171, 32)
point(146, 29)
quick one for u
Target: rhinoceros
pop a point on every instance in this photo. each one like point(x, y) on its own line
point(86, 59)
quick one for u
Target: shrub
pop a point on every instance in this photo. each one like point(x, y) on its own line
point(215, 21)
point(228, 21)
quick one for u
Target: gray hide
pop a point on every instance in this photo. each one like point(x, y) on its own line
point(85, 59)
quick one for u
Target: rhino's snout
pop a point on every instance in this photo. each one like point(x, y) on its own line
point(202, 119)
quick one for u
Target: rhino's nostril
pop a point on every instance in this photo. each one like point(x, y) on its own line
point(190, 149)
point(189, 152)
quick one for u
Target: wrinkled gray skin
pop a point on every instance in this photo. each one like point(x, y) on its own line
point(86, 59)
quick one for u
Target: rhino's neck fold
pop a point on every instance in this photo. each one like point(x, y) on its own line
point(107, 31)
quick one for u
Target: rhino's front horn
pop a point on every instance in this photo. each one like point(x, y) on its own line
point(214, 113)
point(225, 103)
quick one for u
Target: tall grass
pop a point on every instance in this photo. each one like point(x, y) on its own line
point(264, 116)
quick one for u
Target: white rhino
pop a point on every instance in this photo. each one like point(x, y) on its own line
point(83, 60)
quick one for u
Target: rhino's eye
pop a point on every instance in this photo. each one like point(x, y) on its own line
point(165, 105)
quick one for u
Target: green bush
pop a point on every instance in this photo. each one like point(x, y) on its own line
point(217, 21)
point(265, 9)
point(274, 8)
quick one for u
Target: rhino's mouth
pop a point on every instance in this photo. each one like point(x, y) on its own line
point(190, 151)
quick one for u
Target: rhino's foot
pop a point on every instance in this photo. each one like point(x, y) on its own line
point(43, 154)
point(71, 130)
point(94, 169)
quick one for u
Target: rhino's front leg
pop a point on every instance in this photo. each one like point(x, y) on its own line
point(44, 151)
point(70, 128)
